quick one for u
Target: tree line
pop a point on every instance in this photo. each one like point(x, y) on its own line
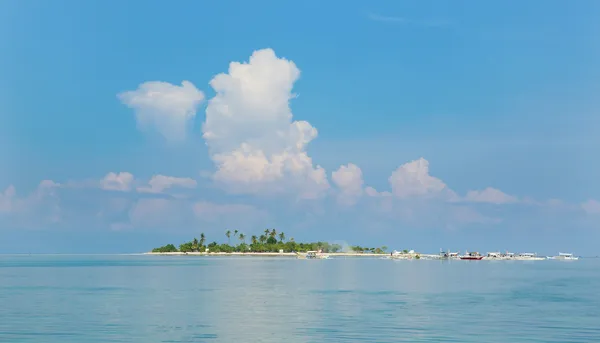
point(269, 241)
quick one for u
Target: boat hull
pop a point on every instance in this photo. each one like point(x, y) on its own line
point(471, 258)
point(319, 256)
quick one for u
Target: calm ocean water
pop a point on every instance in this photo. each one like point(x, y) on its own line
point(52, 299)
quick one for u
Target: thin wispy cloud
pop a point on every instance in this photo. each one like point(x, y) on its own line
point(405, 21)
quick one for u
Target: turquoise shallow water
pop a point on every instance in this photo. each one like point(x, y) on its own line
point(213, 299)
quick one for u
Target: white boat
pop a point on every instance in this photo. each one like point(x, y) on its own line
point(527, 256)
point(493, 256)
point(496, 256)
point(309, 255)
point(564, 257)
point(430, 257)
point(447, 255)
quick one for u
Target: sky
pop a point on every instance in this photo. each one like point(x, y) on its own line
point(410, 124)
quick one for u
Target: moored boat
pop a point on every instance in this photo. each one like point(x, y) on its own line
point(453, 255)
point(494, 256)
point(471, 256)
point(309, 255)
point(564, 257)
point(526, 256)
point(448, 255)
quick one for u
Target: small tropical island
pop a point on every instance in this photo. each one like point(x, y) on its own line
point(268, 243)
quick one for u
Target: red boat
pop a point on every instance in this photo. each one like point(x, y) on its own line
point(471, 256)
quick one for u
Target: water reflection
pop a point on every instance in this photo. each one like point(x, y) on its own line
point(199, 299)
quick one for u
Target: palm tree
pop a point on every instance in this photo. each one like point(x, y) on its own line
point(242, 237)
point(262, 238)
point(195, 244)
point(292, 239)
point(273, 233)
point(235, 233)
point(202, 239)
point(254, 239)
point(228, 234)
point(281, 237)
point(267, 231)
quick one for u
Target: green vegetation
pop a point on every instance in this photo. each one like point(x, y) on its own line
point(166, 248)
point(270, 241)
point(360, 249)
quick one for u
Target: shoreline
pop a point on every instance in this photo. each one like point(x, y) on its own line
point(260, 254)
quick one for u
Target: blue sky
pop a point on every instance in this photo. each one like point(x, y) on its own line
point(495, 94)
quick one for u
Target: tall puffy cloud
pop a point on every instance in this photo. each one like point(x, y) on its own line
point(117, 182)
point(490, 195)
point(164, 107)
point(412, 179)
point(252, 139)
point(349, 180)
point(160, 183)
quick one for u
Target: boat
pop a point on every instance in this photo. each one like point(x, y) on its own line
point(310, 255)
point(526, 256)
point(499, 256)
point(430, 257)
point(447, 255)
point(471, 256)
point(494, 256)
point(564, 257)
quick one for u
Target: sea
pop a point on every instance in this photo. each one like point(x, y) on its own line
point(137, 298)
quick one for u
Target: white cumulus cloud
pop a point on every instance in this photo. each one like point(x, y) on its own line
point(490, 195)
point(349, 179)
point(372, 192)
point(252, 138)
point(160, 183)
point(117, 182)
point(412, 179)
point(164, 107)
